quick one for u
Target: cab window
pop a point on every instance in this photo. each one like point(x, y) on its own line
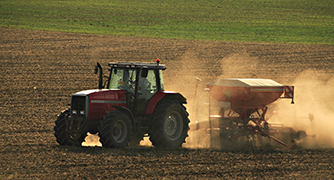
point(122, 78)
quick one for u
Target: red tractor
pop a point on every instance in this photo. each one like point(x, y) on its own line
point(130, 104)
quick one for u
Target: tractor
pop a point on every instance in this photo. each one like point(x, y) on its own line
point(129, 105)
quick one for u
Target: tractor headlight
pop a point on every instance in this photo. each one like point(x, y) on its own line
point(74, 112)
point(82, 112)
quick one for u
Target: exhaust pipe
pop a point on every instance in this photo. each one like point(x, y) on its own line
point(98, 67)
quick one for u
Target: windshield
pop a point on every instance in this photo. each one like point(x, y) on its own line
point(122, 79)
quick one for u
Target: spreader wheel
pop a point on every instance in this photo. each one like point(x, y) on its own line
point(115, 130)
point(63, 136)
point(169, 125)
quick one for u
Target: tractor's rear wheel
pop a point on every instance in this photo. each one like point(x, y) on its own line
point(63, 136)
point(115, 130)
point(169, 127)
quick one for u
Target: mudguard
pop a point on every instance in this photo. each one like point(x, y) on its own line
point(161, 95)
point(127, 111)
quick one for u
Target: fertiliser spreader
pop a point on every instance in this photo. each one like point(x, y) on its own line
point(242, 105)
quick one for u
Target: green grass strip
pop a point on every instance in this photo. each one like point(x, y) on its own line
point(274, 21)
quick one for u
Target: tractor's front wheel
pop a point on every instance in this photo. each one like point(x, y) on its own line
point(115, 130)
point(63, 136)
point(169, 127)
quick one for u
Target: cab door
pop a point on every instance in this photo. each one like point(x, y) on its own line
point(147, 87)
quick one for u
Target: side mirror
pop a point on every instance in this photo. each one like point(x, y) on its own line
point(144, 72)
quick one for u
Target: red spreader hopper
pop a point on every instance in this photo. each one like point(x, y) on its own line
point(252, 93)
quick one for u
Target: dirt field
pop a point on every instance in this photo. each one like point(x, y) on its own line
point(40, 70)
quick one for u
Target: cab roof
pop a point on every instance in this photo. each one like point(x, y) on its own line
point(134, 65)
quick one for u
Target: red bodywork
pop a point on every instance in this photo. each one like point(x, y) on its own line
point(101, 101)
point(155, 99)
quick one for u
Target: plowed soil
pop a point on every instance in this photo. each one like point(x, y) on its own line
point(40, 70)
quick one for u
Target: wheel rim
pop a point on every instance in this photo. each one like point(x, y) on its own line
point(120, 131)
point(173, 125)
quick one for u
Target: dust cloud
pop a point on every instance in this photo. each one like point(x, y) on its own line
point(313, 111)
point(188, 77)
point(92, 140)
point(239, 65)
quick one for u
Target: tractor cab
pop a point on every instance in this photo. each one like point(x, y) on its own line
point(140, 80)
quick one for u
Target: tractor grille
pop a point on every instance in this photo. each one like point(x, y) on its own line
point(78, 105)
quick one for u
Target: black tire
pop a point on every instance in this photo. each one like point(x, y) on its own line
point(170, 125)
point(115, 130)
point(63, 137)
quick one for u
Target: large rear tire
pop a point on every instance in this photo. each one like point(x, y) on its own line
point(170, 125)
point(115, 130)
point(63, 137)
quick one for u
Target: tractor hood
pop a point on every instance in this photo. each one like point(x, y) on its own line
point(103, 94)
point(91, 91)
point(98, 102)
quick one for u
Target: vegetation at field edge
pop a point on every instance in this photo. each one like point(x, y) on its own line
point(278, 21)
